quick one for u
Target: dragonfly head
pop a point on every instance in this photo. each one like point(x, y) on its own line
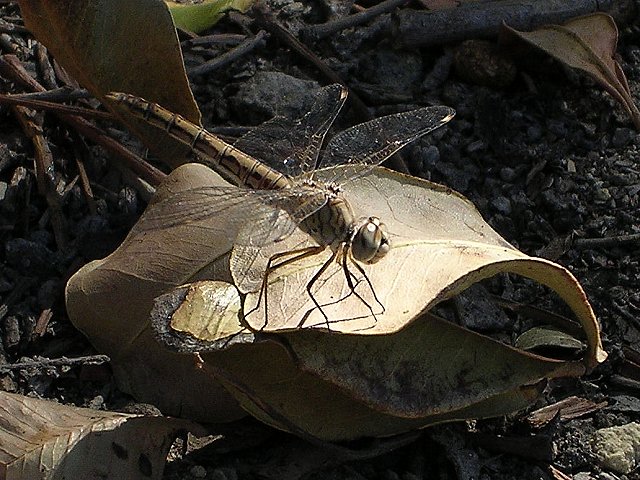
point(370, 242)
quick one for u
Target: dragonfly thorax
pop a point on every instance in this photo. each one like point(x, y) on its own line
point(370, 241)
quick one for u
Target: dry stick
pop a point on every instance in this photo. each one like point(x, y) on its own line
point(46, 69)
point(8, 27)
point(230, 56)
point(274, 27)
point(615, 241)
point(421, 28)
point(217, 39)
point(314, 33)
point(79, 147)
point(35, 103)
point(57, 95)
point(32, 127)
point(11, 67)
point(41, 362)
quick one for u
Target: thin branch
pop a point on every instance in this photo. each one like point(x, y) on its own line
point(42, 362)
point(230, 56)
point(314, 33)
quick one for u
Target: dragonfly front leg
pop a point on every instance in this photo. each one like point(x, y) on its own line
point(353, 286)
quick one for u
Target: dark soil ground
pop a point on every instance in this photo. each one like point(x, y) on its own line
point(544, 153)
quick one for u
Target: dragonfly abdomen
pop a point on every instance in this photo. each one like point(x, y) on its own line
point(232, 164)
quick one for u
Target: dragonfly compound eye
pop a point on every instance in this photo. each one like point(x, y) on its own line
point(371, 242)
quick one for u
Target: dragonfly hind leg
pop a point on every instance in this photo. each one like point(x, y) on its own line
point(294, 256)
point(352, 283)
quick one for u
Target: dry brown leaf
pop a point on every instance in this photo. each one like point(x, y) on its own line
point(294, 378)
point(589, 44)
point(109, 300)
point(104, 47)
point(44, 440)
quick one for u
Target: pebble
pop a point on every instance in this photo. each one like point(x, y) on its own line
point(502, 204)
point(601, 195)
point(534, 133)
point(507, 174)
point(11, 336)
point(28, 256)
point(3, 190)
point(618, 448)
point(621, 137)
point(224, 474)
point(558, 128)
point(198, 471)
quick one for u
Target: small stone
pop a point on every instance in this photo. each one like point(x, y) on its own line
point(618, 448)
point(621, 137)
point(582, 476)
point(502, 205)
point(534, 133)
point(558, 128)
point(507, 174)
point(198, 471)
point(476, 146)
point(480, 62)
point(224, 474)
point(97, 403)
point(11, 332)
point(601, 195)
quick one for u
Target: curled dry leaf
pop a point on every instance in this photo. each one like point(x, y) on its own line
point(368, 376)
point(44, 440)
point(198, 16)
point(589, 44)
point(103, 47)
point(109, 301)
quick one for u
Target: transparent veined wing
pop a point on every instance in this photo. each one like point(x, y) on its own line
point(291, 146)
point(372, 142)
point(234, 203)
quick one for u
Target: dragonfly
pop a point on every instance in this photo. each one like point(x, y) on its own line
point(270, 204)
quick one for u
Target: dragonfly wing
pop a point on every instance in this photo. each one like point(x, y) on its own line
point(248, 266)
point(292, 146)
point(371, 143)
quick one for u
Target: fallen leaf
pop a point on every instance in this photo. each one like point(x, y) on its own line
point(44, 440)
point(589, 44)
point(198, 16)
point(101, 304)
point(102, 45)
point(368, 376)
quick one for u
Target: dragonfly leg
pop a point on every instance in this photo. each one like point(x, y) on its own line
point(313, 280)
point(352, 283)
point(294, 256)
point(366, 278)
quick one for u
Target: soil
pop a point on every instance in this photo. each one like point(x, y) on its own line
point(544, 153)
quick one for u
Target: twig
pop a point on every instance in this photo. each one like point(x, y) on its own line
point(314, 33)
point(614, 241)
point(421, 28)
point(230, 56)
point(42, 362)
point(9, 67)
point(270, 23)
point(218, 39)
point(32, 127)
point(46, 69)
point(57, 95)
point(31, 102)
point(78, 148)
point(7, 27)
